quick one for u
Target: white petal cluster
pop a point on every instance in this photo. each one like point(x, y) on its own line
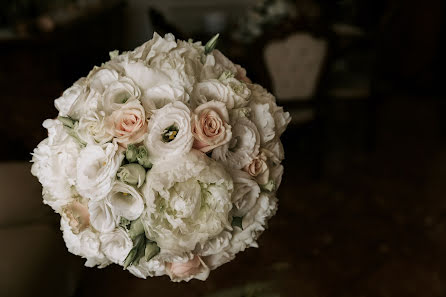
point(165, 160)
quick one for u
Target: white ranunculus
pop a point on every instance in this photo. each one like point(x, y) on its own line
point(85, 244)
point(55, 164)
point(259, 95)
point(125, 201)
point(243, 147)
point(91, 96)
point(230, 91)
point(69, 96)
point(101, 216)
point(246, 192)
point(215, 245)
point(96, 170)
point(116, 245)
point(274, 151)
point(144, 77)
point(154, 267)
point(188, 202)
point(254, 223)
point(91, 128)
point(262, 117)
point(164, 94)
point(118, 93)
point(101, 78)
point(174, 116)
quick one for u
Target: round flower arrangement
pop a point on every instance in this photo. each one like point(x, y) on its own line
point(164, 160)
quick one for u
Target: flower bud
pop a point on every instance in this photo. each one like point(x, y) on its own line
point(67, 122)
point(132, 174)
point(143, 157)
point(211, 44)
point(131, 153)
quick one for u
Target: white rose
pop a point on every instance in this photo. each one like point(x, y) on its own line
point(96, 170)
point(262, 117)
point(188, 201)
point(246, 192)
point(91, 128)
point(116, 245)
point(101, 216)
point(55, 164)
point(125, 201)
point(91, 95)
point(144, 77)
point(274, 151)
point(231, 92)
point(69, 96)
point(99, 79)
point(243, 147)
point(170, 132)
point(164, 94)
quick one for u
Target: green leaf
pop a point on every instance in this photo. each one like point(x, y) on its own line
point(136, 229)
point(136, 252)
point(237, 222)
point(211, 44)
point(151, 250)
point(67, 121)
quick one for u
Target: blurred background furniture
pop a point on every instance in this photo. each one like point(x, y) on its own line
point(34, 257)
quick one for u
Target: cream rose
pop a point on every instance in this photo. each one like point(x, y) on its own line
point(258, 168)
point(210, 126)
point(170, 132)
point(127, 124)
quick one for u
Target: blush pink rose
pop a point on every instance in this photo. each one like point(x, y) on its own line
point(128, 124)
point(210, 126)
point(77, 215)
point(185, 270)
point(258, 168)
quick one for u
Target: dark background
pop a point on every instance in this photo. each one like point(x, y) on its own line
point(362, 203)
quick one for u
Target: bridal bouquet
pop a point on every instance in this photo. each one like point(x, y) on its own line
point(164, 160)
